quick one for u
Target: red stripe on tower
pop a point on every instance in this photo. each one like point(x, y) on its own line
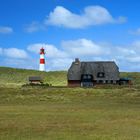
point(42, 61)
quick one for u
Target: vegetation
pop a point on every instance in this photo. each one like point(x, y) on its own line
point(17, 77)
point(53, 113)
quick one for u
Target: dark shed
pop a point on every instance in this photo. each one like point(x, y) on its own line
point(94, 72)
point(35, 79)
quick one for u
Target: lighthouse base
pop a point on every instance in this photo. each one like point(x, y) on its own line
point(42, 67)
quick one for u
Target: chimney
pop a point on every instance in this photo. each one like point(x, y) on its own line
point(77, 61)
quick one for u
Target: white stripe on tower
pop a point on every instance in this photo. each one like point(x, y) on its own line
point(42, 67)
point(41, 56)
point(42, 60)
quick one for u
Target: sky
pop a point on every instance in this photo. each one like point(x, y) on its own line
point(91, 30)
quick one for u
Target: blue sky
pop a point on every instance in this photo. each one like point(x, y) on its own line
point(92, 30)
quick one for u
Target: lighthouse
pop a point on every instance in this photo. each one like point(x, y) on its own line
point(42, 60)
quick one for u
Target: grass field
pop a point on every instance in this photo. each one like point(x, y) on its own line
point(36, 113)
point(17, 77)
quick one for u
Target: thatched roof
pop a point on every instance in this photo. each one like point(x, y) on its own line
point(109, 68)
point(35, 78)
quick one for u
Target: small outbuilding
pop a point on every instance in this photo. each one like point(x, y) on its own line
point(125, 80)
point(87, 74)
point(35, 80)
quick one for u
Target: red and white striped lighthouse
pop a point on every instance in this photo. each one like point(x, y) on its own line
point(42, 60)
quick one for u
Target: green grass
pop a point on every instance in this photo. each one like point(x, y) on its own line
point(69, 114)
point(38, 113)
point(17, 77)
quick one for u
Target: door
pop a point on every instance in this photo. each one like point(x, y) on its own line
point(86, 80)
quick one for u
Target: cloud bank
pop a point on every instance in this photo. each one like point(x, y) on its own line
point(13, 53)
point(60, 58)
point(88, 50)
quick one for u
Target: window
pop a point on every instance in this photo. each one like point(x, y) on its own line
point(86, 77)
point(89, 77)
point(101, 75)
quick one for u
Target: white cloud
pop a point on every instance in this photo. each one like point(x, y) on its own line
point(14, 57)
point(33, 27)
point(125, 51)
point(136, 43)
point(1, 50)
point(87, 49)
point(134, 59)
point(135, 32)
point(18, 58)
point(83, 47)
point(60, 58)
point(14, 53)
point(58, 64)
point(20, 63)
point(136, 46)
point(70, 49)
point(51, 50)
point(5, 30)
point(92, 15)
point(128, 54)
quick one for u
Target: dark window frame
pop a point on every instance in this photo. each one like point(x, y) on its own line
point(86, 78)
